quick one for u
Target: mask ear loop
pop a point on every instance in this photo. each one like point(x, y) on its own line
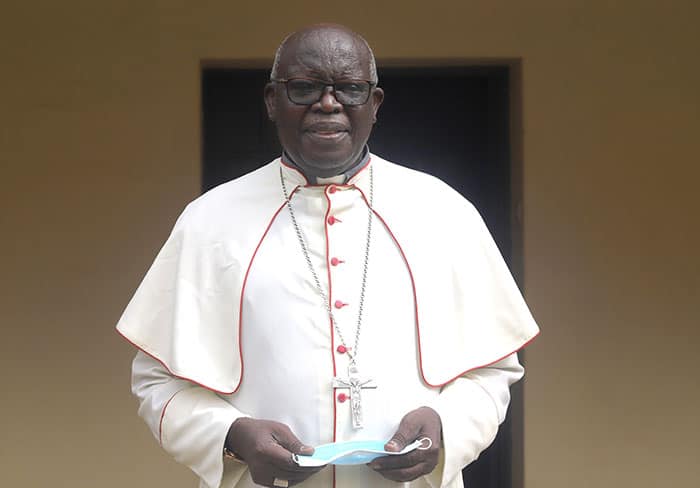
point(425, 443)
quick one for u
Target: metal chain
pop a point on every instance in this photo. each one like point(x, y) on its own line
point(326, 300)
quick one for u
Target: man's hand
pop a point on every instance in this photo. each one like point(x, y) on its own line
point(267, 447)
point(419, 423)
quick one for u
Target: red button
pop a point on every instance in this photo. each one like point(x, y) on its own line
point(339, 304)
point(331, 220)
point(332, 189)
point(342, 349)
point(335, 261)
point(342, 397)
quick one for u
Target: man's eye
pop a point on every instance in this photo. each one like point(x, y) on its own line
point(300, 86)
point(350, 88)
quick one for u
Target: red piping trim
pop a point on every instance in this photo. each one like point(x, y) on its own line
point(245, 282)
point(330, 321)
point(415, 296)
point(295, 169)
point(162, 415)
point(329, 297)
point(140, 348)
point(415, 302)
point(347, 184)
point(240, 321)
point(439, 385)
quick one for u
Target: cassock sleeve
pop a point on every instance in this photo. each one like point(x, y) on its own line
point(189, 421)
point(471, 408)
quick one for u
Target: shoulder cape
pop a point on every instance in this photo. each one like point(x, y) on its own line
point(469, 311)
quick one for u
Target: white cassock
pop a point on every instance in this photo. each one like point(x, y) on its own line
point(230, 323)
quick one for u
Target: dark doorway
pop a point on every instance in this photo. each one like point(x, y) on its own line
point(452, 122)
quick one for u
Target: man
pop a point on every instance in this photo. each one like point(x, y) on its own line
point(328, 296)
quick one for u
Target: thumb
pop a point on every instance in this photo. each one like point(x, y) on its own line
point(405, 434)
point(290, 442)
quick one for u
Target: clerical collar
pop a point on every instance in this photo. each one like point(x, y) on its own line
point(338, 179)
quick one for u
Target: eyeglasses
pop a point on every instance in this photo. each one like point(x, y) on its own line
point(307, 91)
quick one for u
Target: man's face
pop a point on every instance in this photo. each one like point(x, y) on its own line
point(325, 138)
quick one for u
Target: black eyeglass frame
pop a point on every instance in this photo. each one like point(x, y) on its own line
point(285, 81)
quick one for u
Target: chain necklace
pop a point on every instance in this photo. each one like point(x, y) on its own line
point(353, 382)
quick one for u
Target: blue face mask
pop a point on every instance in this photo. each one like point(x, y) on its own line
point(354, 452)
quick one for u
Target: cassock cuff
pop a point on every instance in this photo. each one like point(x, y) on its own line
point(471, 408)
point(469, 425)
point(194, 428)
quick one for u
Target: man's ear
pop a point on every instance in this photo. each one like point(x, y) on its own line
point(377, 99)
point(270, 96)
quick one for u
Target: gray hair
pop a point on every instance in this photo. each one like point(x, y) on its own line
point(373, 77)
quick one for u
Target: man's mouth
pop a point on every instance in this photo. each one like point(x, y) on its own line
point(327, 130)
point(328, 134)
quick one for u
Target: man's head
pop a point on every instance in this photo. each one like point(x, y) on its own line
point(323, 136)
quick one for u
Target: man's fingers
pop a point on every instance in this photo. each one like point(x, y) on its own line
point(292, 473)
point(409, 473)
point(406, 433)
point(384, 463)
point(286, 438)
point(405, 467)
point(280, 458)
point(267, 447)
point(278, 463)
point(400, 439)
point(421, 422)
point(299, 475)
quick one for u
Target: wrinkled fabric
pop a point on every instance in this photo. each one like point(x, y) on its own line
point(230, 322)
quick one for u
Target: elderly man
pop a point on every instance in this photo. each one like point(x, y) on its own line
point(329, 296)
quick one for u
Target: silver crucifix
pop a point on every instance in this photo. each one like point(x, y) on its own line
point(355, 384)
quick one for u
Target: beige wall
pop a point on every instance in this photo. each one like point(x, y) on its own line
point(99, 140)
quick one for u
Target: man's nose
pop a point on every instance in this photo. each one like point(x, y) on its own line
point(328, 102)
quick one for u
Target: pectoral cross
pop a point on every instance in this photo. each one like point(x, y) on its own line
point(355, 384)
